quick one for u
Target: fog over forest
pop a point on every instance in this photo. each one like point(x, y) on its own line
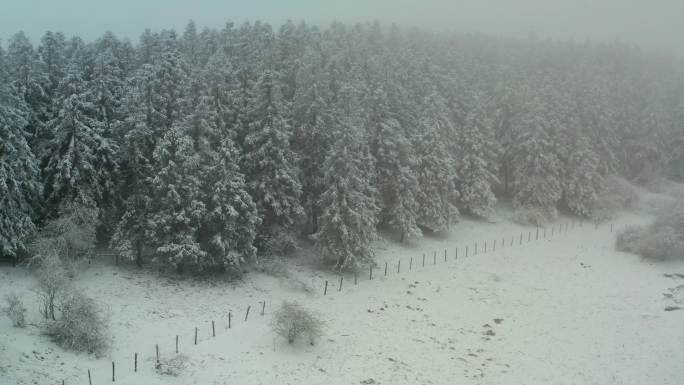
point(209, 146)
point(401, 192)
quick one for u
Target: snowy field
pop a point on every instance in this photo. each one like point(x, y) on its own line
point(567, 309)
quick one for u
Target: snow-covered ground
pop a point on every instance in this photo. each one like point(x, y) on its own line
point(567, 309)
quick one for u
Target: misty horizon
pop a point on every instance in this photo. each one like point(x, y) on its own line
point(651, 27)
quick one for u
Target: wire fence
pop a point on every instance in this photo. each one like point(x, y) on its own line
point(371, 273)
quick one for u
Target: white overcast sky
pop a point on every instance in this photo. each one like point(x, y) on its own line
point(652, 24)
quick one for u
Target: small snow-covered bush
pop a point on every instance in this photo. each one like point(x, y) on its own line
point(292, 321)
point(275, 267)
point(628, 239)
point(617, 194)
point(15, 310)
point(620, 191)
point(663, 243)
point(172, 366)
point(664, 239)
point(81, 327)
point(535, 216)
point(279, 241)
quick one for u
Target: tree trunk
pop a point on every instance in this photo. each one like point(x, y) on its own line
point(138, 255)
point(314, 218)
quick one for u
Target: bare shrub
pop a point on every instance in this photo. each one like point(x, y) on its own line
point(15, 310)
point(81, 327)
point(73, 231)
point(70, 236)
point(292, 321)
point(53, 280)
point(172, 366)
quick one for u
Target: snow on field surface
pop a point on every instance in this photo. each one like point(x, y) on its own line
point(567, 309)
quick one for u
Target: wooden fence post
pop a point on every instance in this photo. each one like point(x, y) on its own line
point(423, 260)
point(213, 329)
point(445, 255)
point(341, 278)
point(157, 349)
point(230, 316)
point(466, 251)
point(176, 343)
point(325, 290)
point(399, 267)
point(195, 335)
point(370, 274)
point(247, 314)
point(385, 268)
point(135, 362)
point(410, 263)
point(113, 373)
point(90, 379)
point(263, 307)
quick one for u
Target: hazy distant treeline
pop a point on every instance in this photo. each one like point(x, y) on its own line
point(201, 150)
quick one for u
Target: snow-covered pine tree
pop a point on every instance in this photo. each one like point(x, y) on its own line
point(228, 229)
point(395, 164)
point(312, 134)
point(25, 71)
point(437, 194)
point(150, 108)
point(190, 44)
point(289, 47)
point(581, 179)
point(70, 172)
point(105, 91)
point(269, 165)
point(675, 138)
point(221, 86)
point(20, 186)
point(176, 210)
point(476, 166)
point(170, 83)
point(52, 51)
point(536, 169)
point(349, 209)
point(3, 65)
